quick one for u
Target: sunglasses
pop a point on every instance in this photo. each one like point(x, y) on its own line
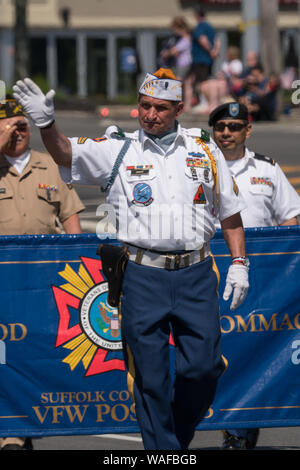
point(232, 126)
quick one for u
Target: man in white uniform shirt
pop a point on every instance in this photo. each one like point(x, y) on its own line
point(164, 184)
point(269, 197)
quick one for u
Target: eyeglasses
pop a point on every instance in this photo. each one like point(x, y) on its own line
point(232, 126)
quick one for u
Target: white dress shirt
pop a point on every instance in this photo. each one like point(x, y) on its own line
point(269, 197)
point(161, 200)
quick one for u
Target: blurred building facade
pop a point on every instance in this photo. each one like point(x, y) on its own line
point(102, 47)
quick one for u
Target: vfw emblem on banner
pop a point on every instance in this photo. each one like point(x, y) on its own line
point(88, 326)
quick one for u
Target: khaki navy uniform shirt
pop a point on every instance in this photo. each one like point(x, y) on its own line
point(30, 203)
point(161, 200)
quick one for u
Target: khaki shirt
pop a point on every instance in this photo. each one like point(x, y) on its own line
point(30, 203)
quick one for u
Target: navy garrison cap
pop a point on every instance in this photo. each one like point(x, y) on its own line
point(228, 111)
point(10, 108)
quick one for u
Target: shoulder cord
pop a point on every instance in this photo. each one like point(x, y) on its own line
point(213, 166)
point(116, 166)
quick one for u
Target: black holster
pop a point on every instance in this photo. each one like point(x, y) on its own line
point(114, 261)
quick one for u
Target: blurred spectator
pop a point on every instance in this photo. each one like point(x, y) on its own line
point(181, 51)
point(165, 60)
point(260, 95)
point(232, 67)
point(205, 49)
point(238, 86)
point(217, 91)
point(289, 73)
point(252, 60)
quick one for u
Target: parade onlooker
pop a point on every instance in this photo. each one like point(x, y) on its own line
point(205, 49)
point(217, 90)
point(232, 66)
point(259, 95)
point(252, 61)
point(181, 51)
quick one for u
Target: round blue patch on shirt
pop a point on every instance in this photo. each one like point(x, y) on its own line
point(142, 194)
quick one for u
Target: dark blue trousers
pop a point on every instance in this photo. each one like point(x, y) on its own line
point(156, 301)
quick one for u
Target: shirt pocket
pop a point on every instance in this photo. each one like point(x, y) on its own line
point(48, 205)
point(265, 190)
point(7, 208)
point(140, 187)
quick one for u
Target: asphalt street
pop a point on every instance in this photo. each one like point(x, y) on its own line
point(279, 140)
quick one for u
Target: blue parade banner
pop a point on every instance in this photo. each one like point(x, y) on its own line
point(61, 362)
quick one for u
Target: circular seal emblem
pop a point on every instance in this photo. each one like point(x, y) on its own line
point(98, 320)
point(142, 194)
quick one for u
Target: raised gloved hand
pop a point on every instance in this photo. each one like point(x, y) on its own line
point(236, 281)
point(38, 106)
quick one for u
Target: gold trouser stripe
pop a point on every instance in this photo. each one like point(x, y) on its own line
point(216, 270)
point(131, 368)
point(225, 363)
point(131, 373)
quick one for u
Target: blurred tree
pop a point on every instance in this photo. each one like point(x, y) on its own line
point(270, 39)
point(21, 40)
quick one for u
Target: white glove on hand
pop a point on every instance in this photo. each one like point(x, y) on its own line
point(38, 106)
point(236, 281)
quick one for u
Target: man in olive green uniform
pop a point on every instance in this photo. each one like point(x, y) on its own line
point(33, 197)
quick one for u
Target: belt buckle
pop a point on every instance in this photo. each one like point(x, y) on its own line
point(186, 259)
point(172, 261)
point(176, 259)
point(168, 261)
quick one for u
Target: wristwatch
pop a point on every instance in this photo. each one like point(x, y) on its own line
point(241, 260)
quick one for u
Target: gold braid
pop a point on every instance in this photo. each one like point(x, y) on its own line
point(213, 165)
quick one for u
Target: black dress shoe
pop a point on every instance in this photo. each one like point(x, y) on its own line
point(12, 447)
point(240, 443)
point(234, 443)
point(28, 444)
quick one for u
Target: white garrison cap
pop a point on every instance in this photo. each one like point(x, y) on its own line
point(163, 85)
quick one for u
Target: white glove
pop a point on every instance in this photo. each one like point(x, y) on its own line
point(236, 281)
point(38, 106)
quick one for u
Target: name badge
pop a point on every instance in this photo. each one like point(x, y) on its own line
point(139, 169)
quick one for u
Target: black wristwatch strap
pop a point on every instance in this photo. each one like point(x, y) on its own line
point(49, 125)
